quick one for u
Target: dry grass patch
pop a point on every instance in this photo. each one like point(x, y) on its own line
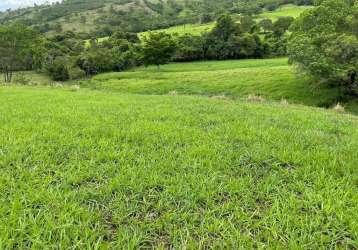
point(255, 98)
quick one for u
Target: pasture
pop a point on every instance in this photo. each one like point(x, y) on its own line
point(98, 170)
point(271, 79)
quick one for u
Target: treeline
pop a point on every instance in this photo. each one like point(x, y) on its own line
point(66, 56)
point(123, 50)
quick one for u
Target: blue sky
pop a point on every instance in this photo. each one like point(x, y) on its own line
point(14, 4)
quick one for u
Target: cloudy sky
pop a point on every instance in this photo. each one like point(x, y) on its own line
point(13, 4)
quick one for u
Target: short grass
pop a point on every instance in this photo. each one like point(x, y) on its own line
point(285, 10)
point(97, 170)
point(194, 29)
point(272, 79)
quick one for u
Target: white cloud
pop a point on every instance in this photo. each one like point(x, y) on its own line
point(14, 4)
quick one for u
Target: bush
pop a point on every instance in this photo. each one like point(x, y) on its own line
point(58, 71)
point(76, 73)
point(21, 79)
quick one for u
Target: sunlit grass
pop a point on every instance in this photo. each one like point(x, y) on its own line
point(272, 79)
point(95, 170)
point(285, 10)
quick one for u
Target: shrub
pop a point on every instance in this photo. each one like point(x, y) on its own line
point(76, 73)
point(59, 71)
point(21, 79)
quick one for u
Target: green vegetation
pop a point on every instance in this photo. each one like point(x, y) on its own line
point(194, 29)
point(272, 79)
point(92, 18)
point(158, 49)
point(65, 57)
point(213, 153)
point(198, 29)
point(20, 49)
point(324, 43)
point(284, 11)
point(102, 170)
point(30, 78)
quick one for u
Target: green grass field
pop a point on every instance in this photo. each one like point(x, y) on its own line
point(100, 170)
point(271, 79)
point(195, 29)
point(285, 10)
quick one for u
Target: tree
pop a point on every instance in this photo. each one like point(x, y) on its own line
point(59, 70)
point(266, 25)
point(189, 48)
point(282, 25)
point(246, 23)
point(158, 48)
point(20, 49)
point(225, 28)
point(324, 45)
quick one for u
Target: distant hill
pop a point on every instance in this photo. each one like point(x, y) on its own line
point(100, 18)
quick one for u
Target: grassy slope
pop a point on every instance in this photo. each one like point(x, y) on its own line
point(271, 78)
point(92, 169)
point(285, 10)
point(71, 22)
point(197, 29)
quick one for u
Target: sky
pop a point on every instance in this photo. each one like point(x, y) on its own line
point(14, 4)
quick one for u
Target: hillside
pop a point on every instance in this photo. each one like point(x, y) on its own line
point(287, 10)
point(89, 168)
point(97, 18)
point(197, 29)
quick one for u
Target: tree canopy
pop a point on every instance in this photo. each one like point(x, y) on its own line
point(20, 49)
point(158, 48)
point(324, 43)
